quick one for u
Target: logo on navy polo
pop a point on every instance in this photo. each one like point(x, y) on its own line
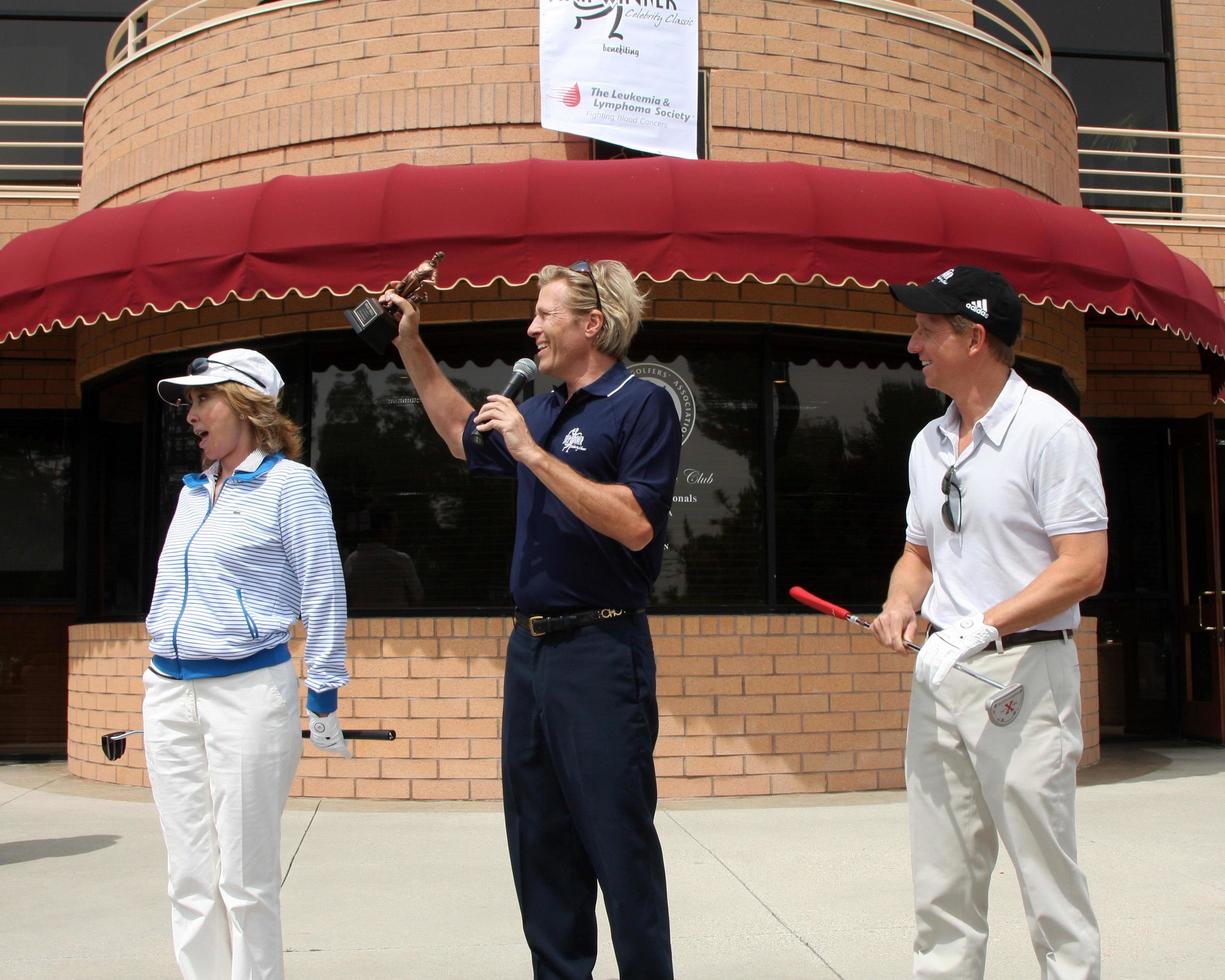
point(677, 387)
point(573, 443)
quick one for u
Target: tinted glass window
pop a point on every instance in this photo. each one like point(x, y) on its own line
point(1121, 93)
point(116, 498)
point(841, 445)
point(414, 528)
point(1097, 25)
point(110, 9)
point(715, 552)
point(1116, 92)
point(1115, 58)
point(47, 58)
point(792, 471)
point(37, 548)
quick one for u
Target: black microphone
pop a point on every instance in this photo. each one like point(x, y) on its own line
point(524, 371)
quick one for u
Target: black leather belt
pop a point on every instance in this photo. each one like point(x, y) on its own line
point(542, 625)
point(1025, 636)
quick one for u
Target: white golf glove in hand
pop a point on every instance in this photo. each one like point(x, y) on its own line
point(326, 733)
point(952, 645)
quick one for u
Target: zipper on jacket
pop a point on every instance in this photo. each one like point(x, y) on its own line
point(174, 636)
point(246, 615)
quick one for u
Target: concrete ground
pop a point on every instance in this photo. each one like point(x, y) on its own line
point(797, 887)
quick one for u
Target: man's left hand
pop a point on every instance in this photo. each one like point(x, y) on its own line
point(951, 646)
point(502, 415)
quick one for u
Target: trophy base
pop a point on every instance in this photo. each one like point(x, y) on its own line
point(373, 324)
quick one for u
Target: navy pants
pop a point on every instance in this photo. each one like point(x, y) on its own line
point(578, 783)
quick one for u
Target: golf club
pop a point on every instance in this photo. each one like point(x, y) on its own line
point(1002, 707)
point(114, 744)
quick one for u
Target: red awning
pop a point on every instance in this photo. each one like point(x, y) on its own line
point(765, 221)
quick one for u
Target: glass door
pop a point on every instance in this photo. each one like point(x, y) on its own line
point(1199, 475)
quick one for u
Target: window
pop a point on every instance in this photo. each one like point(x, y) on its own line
point(841, 445)
point(1116, 58)
point(37, 550)
point(414, 528)
point(49, 50)
point(115, 424)
point(792, 471)
point(716, 547)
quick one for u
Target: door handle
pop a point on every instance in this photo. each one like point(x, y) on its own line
point(1199, 604)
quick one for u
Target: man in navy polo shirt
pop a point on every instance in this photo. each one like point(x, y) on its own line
point(596, 460)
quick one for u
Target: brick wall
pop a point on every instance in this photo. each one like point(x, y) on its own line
point(851, 86)
point(334, 85)
point(1145, 372)
point(39, 371)
point(1199, 48)
point(19, 215)
point(749, 705)
point(1203, 246)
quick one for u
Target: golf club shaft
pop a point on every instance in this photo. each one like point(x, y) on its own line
point(369, 734)
point(806, 598)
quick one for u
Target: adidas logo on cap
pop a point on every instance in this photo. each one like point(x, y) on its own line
point(978, 294)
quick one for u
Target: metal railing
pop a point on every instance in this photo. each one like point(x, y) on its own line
point(34, 165)
point(1011, 25)
point(136, 32)
point(1003, 22)
point(1153, 176)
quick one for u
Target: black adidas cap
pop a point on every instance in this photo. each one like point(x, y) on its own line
point(978, 295)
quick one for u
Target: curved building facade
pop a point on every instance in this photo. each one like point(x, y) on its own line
point(800, 397)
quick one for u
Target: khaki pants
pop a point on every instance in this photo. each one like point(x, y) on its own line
point(221, 755)
point(971, 784)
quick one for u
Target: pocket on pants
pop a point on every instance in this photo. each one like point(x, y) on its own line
point(282, 682)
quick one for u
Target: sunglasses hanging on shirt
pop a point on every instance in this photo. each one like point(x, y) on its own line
point(950, 510)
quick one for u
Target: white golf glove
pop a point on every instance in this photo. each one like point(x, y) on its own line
point(326, 733)
point(952, 645)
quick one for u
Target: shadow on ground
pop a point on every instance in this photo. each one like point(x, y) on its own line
point(1124, 761)
point(20, 851)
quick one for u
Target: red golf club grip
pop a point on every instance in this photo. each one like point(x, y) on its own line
point(816, 602)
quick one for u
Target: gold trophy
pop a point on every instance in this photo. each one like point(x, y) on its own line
point(374, 322)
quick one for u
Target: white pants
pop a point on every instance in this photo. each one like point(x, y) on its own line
point(221, 755)
point(970, 784)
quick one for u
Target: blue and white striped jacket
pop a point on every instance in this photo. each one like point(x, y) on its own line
point(235, 575)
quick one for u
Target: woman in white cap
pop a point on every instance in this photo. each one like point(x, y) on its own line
point(251, 550)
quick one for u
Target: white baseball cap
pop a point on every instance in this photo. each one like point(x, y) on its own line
point(247, 367)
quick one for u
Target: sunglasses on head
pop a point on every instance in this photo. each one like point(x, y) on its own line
point(950, 510)
point(584, 267)
point(200, 366)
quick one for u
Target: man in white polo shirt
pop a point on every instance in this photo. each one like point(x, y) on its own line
point(1005, 535)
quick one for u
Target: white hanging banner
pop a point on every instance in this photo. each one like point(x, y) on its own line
point(622, 71)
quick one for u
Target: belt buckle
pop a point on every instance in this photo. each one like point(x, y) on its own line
point(611, 613)
point(531, 626)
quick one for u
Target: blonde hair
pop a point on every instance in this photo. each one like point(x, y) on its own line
point(1003, 352)
point(621, 301)
point(275, 432)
